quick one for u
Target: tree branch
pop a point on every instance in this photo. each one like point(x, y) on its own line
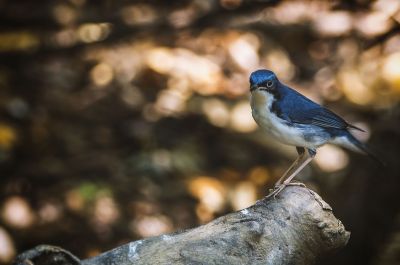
point(295, 228)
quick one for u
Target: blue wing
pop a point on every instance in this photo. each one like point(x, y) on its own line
point(299, 109)
point(318, 116)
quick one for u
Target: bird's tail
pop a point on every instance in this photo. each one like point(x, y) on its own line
point(349, 141)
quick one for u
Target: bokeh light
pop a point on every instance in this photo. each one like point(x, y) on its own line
point(16, 212)
point(102, 74)
point(147, 226)
point(91, 32)
point(139, 14)
point(105, 210)
point(244, 52)
point(354, 88)
point(374, 23)
point(18, 41)
point(331, 158)
point(279, 60)
point(7, 247)
point(334, 23)
point(216, 112)
point(391, 70)
point(8, 136)
point(241, 119)
point(50, 212)
point(259, 175)
point(210, 192)
point(243, 195)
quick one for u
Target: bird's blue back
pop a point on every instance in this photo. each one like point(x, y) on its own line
point(293, 103)
point(296, 108)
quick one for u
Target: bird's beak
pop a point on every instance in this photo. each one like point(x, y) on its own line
point(253, 87)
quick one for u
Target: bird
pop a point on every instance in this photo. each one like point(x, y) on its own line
point(293, 119)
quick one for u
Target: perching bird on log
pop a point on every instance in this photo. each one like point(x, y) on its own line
point(293, 119)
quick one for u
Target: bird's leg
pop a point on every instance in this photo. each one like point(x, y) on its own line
point(286, 181)
point(301, 153)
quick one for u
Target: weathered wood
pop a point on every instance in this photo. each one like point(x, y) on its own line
point(296, 227)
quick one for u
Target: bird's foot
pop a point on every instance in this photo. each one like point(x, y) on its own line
point(292, 184)
point(279, 187)
point(275, 191)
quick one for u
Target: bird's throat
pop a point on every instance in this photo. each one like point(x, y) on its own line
point(260, 99)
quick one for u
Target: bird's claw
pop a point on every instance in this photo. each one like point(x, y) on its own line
point(279, 187)
point(274, 192)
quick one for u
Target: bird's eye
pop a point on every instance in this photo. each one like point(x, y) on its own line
point(270, 84)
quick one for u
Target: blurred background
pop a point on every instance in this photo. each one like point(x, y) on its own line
point(121, 120)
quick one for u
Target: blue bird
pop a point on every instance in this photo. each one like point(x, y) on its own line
point(292, 119)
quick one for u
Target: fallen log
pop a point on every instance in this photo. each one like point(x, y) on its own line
point(296, 227)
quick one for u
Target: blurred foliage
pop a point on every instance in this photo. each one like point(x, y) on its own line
point(127, 119)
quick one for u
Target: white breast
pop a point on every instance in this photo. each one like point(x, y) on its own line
point(261, 103)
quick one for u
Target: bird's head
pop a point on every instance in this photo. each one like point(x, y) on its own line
point(263, 80)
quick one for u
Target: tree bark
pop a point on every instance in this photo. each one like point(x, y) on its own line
point(296, 227)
